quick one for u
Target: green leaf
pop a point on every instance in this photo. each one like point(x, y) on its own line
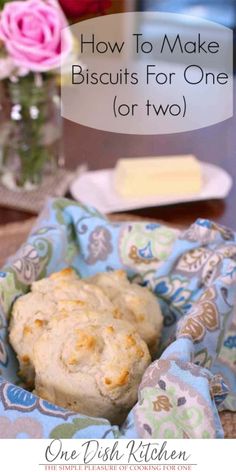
point(67, 431)
point(63, 431)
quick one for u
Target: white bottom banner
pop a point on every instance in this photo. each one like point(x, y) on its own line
point(117, 455)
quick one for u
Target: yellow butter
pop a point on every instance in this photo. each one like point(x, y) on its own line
point(152, 176)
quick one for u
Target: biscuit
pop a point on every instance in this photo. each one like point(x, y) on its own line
point(92, 364)
point(30, 316)
point(47, 284)
point(133, 303)
point(32, 312)
point(84, 343)
point(111, 282)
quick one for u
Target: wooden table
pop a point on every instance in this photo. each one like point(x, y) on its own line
point(215, 144)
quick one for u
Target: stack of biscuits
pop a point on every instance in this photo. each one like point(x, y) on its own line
point(84, 344)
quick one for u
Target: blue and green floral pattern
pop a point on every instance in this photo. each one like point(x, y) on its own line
point(192, 273)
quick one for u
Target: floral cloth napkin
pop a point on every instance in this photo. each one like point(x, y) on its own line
point(193, 274)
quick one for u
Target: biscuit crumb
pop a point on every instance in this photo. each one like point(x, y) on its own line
point(140, 352)
point(62, 273)
point(84, 341)
point(130, 341)
point(72, 361)
point(39, 323)
point(110, 329)
point(117, 314)
point(119, 381)
point(121, 273)
point(25, 359)
point(107, 381)
point(123, 378)
point(27, 330)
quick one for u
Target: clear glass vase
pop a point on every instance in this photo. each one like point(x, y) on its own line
point(30, 131)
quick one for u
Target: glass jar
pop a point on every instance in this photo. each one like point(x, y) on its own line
point(30, 131)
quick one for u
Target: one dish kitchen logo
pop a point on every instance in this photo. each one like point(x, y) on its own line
point(133, 455)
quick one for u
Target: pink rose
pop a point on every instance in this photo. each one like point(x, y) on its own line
point(32, 33)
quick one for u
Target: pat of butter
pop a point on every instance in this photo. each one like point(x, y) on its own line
point(151, 176)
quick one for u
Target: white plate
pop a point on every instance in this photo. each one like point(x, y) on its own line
point(95, 188)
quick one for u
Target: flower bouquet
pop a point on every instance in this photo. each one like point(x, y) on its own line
point(34, 43)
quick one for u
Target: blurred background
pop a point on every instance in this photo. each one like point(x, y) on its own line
point(215, 144)
point(223, 12)
point(98, 150)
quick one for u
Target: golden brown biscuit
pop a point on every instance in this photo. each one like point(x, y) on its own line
point(133, 303)
point(30, 316)
point(111, 282)
point(32, 312)
point(47, 284)
point(92, 364)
